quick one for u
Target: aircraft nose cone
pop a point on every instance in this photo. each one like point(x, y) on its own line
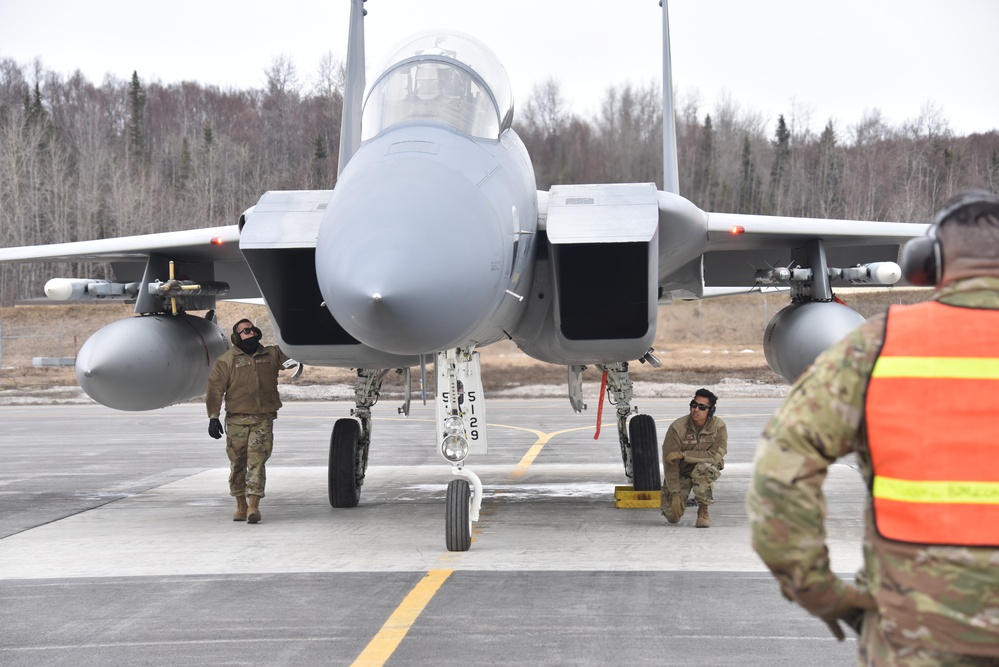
point(414, 270)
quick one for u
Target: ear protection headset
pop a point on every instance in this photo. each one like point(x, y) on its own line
point(235, 336)
point(922, 258)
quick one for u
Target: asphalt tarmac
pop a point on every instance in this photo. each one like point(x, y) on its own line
point(117, 548)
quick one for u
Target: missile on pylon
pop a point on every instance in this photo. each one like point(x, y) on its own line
point(875, 273)
point(150, 361)
point(86, 289)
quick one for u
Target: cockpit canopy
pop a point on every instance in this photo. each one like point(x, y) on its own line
point(444, 76)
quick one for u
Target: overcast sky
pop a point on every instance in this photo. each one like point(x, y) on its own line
point(814, 60)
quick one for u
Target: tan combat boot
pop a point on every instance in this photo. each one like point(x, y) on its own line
point(253, 516)
point(703, 520)
point(240, 514)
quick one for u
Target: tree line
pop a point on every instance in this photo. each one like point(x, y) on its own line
point(81, 161)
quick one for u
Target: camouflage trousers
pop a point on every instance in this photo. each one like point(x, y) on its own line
point(697, 476)
point(249, 441)
point(875, 649)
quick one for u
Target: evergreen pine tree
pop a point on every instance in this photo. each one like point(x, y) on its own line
point(319, 162)
point(779, 168)
point(829, 175)
point(36, 119)
point(34, 110)
point(137, 106)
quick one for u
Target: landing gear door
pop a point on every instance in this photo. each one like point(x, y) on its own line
point(471, 402)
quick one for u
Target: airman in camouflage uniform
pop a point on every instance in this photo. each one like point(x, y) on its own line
point(246, 377)
point(693, 456)
point(915, 604)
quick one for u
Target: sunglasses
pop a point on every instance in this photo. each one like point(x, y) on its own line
point(699, 406)
point(247, 330)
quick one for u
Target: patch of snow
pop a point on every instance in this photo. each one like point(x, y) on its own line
point(339, 392)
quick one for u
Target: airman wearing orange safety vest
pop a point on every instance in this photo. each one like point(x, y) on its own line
point(915, 394)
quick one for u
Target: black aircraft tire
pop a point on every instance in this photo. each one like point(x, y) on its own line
point(644, 453)
point(457, 525)
point(343, 488)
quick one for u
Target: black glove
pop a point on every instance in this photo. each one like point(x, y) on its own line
point(215, 428)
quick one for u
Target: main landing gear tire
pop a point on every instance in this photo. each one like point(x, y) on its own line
point(457, 524)
point(343, 488)
point(644, 453)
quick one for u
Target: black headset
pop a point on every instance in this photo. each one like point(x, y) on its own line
point(922, 257)
point(922, 261)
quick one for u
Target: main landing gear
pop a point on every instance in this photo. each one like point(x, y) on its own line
point(351, 438)
point(639, 444)
point(461, 429)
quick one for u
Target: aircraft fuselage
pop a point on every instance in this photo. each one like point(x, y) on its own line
point(428, 240)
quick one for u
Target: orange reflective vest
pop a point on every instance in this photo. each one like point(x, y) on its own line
point(932, 411)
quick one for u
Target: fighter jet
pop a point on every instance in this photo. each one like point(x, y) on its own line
point(435, 242)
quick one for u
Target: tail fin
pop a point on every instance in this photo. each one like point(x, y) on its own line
point(353, 90)
point(671, 174)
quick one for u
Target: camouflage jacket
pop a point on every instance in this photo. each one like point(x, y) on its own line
point(248, 383)
point(709, 444)
point(938, 598)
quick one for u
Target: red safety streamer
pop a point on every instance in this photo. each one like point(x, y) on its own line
point(600, 405)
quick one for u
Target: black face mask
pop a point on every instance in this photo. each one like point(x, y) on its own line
point(249, 345)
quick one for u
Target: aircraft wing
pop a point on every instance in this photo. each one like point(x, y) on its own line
point(192, 244)
point(708, 254)
point(211, 252)
point(760, 231)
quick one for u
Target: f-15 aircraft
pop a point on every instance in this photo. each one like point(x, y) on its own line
point(432, 169)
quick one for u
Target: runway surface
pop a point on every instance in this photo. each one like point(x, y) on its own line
point(117, 548)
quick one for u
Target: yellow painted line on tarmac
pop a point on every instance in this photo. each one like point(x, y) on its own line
point(384, 644)
point(532, 453)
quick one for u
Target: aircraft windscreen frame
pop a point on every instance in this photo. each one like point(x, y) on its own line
point(443, 75)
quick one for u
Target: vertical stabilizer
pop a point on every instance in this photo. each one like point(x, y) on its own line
point(353, 89)
point(671, 176)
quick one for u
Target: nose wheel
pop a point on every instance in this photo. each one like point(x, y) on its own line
point(457, 519)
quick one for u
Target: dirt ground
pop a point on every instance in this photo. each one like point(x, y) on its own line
point(698, 342)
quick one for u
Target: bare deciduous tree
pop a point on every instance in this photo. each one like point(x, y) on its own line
point(70, 168)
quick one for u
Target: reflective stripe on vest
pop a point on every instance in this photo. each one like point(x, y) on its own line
point(932, 413)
